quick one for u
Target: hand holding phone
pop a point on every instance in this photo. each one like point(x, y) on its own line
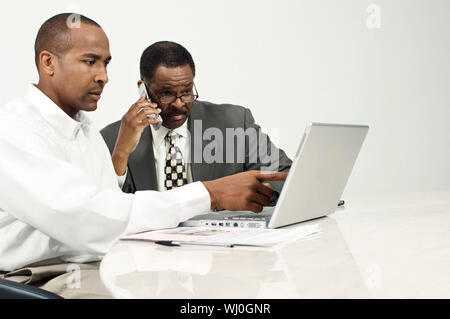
point(143, 91)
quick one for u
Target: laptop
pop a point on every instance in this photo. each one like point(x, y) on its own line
point(315, 183)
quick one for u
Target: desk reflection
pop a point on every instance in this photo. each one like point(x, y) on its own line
point(319, 266)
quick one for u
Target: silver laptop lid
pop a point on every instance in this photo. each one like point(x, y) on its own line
point(319, 172)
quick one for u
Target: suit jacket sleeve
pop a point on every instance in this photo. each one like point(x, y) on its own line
point(265, 161)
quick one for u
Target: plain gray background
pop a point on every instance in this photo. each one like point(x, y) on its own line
point(291, 62)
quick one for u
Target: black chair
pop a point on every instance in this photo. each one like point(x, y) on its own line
point(13, 290)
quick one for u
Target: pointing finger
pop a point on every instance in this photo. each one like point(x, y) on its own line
point(268, 177)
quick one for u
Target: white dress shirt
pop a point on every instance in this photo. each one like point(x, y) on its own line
point(59, 196)
point(161, 148)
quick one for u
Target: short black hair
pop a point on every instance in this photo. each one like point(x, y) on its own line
point(165, 53)
point(54, 34)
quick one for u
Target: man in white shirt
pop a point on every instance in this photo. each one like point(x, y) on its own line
point(61, 202)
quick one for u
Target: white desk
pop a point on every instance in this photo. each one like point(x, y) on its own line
point(399, 248)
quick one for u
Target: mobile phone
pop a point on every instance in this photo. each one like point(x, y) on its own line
point(142, 91)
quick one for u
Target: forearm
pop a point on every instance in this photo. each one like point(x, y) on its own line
point(120, 162)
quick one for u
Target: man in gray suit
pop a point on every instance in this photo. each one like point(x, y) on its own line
point(213, 140)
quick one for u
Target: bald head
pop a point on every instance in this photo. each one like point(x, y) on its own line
point(55, 34)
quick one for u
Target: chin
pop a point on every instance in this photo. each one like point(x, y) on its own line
point(90, 108)
point(171, 124)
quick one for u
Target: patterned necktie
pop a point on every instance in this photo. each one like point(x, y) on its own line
point(175, 170)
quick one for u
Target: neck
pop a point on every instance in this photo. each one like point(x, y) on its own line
point(51, 94)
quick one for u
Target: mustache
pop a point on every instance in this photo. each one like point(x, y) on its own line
point(175, 111)
point(97, 88)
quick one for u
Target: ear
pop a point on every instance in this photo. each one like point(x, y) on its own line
point(47, 62)
point(139, 83)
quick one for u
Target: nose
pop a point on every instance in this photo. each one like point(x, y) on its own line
point(178, 103)
point(102, 76)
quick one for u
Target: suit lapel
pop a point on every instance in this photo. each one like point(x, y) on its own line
point(200, 171)
point(142, 163)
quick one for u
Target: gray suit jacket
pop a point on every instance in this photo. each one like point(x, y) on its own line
point(142, 174)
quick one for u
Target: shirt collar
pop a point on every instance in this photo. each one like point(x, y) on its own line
point(55, 116)
point(160, 135)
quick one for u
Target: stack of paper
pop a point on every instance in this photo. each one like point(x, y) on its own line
point(226, 236)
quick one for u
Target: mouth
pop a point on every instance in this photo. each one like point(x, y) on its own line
point(95, 95)
point(177, 117)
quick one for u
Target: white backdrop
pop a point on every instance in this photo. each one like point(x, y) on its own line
point(291, 62)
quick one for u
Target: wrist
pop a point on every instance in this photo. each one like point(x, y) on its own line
point(210, 188)
point(120, 162)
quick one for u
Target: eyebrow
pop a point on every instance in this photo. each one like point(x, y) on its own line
point(96, 56)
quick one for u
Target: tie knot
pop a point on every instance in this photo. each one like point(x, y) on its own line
point(171, 137)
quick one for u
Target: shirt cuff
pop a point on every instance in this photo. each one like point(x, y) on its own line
point(159, 210)
point(121, 179)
